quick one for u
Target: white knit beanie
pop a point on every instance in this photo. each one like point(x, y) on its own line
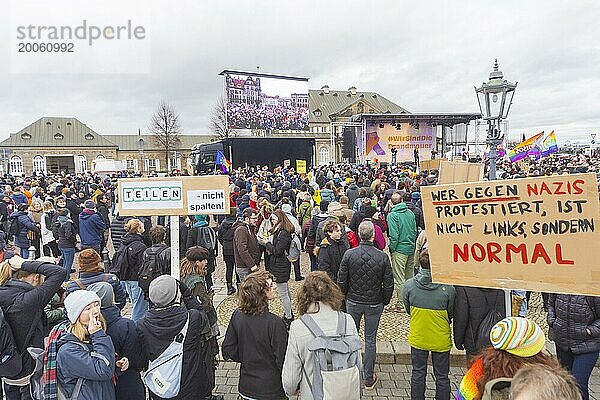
point(77, 301)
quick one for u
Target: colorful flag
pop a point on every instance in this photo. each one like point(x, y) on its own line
point(499, 151)
point(549, 145)
point(526, 148)
point(223, 162)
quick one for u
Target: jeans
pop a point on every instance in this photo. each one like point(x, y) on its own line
point(402, 267)
point(441, 368)
point(229, 268)
point(17, 392)
point(284, 294)
point(372, 313)
point(139, 305)
point(296, 265)
point(313, 261)
point(580, 366)
point(68, 255)
point(24, 252)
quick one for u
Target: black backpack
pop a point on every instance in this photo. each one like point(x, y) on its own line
point(119, 260)
point(150, 268)
point(207, 238)
point(482, 340)
point(14, 227)
point(11, 361)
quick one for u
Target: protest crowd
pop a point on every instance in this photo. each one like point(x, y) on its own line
point(89, 309)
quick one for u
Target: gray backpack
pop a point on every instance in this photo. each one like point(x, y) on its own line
point(336, 370)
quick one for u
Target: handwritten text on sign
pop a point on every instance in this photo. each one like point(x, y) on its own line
point(205, 201)
point(535, 234)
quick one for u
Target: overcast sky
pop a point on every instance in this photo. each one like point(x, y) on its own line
point(426, 56)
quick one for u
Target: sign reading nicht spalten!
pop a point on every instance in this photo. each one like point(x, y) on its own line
point(536, 234)
point(174, 196)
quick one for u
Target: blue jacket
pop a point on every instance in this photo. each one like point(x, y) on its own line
point(96, 366)
point(91, 228)
point(25, 225)
point(125, 339)
point(87, 278)
point(19, 198)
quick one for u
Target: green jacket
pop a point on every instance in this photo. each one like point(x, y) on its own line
point(431, 308)
point(402, 229)
point(304, 212)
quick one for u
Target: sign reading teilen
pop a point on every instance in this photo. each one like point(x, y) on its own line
point(535, 234)
point(156, 194)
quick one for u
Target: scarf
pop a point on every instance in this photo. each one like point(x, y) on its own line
point(199, 224)
point(467, 390)
point(49, 378)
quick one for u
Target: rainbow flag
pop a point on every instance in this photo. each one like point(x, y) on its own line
point(549, 145)
point(222, 161)
point(529, 147)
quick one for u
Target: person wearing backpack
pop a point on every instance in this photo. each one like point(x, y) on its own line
point(472, 306)
point(225, 235)
point(575, 322)
point(23, 296)
point(91, 270)
point(296, 245)
point(19, 227)
point(85, 355)
point(257, 339)
point(169, 319)
point(203, 235)
point(430, 307)
point(156, 259)
point(126, 265)
point(319, 302)
point(122, 332)
point(279, 265)
point(65, 232)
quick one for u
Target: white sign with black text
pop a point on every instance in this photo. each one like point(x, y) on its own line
point(212, 201)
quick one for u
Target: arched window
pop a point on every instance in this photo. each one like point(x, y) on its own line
point(100, 157)
point(39, 164)
point(82, 163)
point(324, 157)
point(16, 166)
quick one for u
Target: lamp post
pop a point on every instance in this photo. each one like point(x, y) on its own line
point(141, 145)
point(495, 98)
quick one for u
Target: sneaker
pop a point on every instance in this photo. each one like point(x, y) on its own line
point(299, 278)
point(370, 385)
point(230, 291)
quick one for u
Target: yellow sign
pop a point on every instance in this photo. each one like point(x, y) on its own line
point(535, 234)
point(301, 166)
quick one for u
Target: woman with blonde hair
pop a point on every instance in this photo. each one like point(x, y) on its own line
point(36, 214)
point(277, 246)
point(257, 339)
point(85, 360)
point(126, 265)
point(320, 298)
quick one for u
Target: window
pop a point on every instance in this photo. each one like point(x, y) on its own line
point(130, 164)
point(48, 123)
point(88, 136)
point(324, 156)
point(82, 163)
point(58, 136)
point(317, 113)
point(16, 166)
point(25, 136)
point(39, 164)
point(100, 157)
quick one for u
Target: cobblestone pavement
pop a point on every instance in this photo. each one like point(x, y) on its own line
point(394, 382)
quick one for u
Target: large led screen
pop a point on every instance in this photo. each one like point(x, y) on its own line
point(260, 101)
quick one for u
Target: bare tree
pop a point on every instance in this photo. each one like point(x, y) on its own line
point(218, 120)
point(165, 128)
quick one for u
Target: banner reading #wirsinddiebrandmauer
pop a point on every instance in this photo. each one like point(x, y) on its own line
point(537, 234)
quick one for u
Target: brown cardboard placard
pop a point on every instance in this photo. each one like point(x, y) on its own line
point(426, 165)
point(459, 172)
point(536, 234)
point(184, 195)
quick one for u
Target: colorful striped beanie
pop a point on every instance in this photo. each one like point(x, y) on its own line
point(518, 336)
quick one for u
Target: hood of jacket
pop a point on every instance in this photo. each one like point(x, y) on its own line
point(17, 213)
point(228, 222)
point(132, 237)
point(423, 280)
point(111, 314)
point(400, 208)
point(161, 326)
point(86, 214)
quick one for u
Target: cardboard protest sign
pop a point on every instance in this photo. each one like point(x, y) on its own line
point(184, 195)
point(535, 234)
point(459, 172)
point(426, 165)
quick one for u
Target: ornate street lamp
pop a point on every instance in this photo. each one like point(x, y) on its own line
point(141, 146)
point(495, 98)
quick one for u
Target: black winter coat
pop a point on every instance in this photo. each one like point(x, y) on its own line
point(471, 305)
point(418, 214)
point(65, 234)
point(279, 265)
point(158, 329)
point(570, 316)
point(365, 275)
point(24, 304)
point(225, 235)
point(330, 256)
point(134, 257)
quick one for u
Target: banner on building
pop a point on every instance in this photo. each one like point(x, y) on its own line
point(527, 234)
point(404, 137)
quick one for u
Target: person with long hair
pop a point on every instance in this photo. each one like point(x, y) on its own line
point(321, 298)
point(127, 261)
point(36, 214)
point(86, 353)
point(49, 246)
point(516, 342)
point(257, 339)
point(279, 265)
point(23, 295)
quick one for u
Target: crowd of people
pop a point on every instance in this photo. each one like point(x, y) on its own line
point(89, 309)
point(266, 116)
